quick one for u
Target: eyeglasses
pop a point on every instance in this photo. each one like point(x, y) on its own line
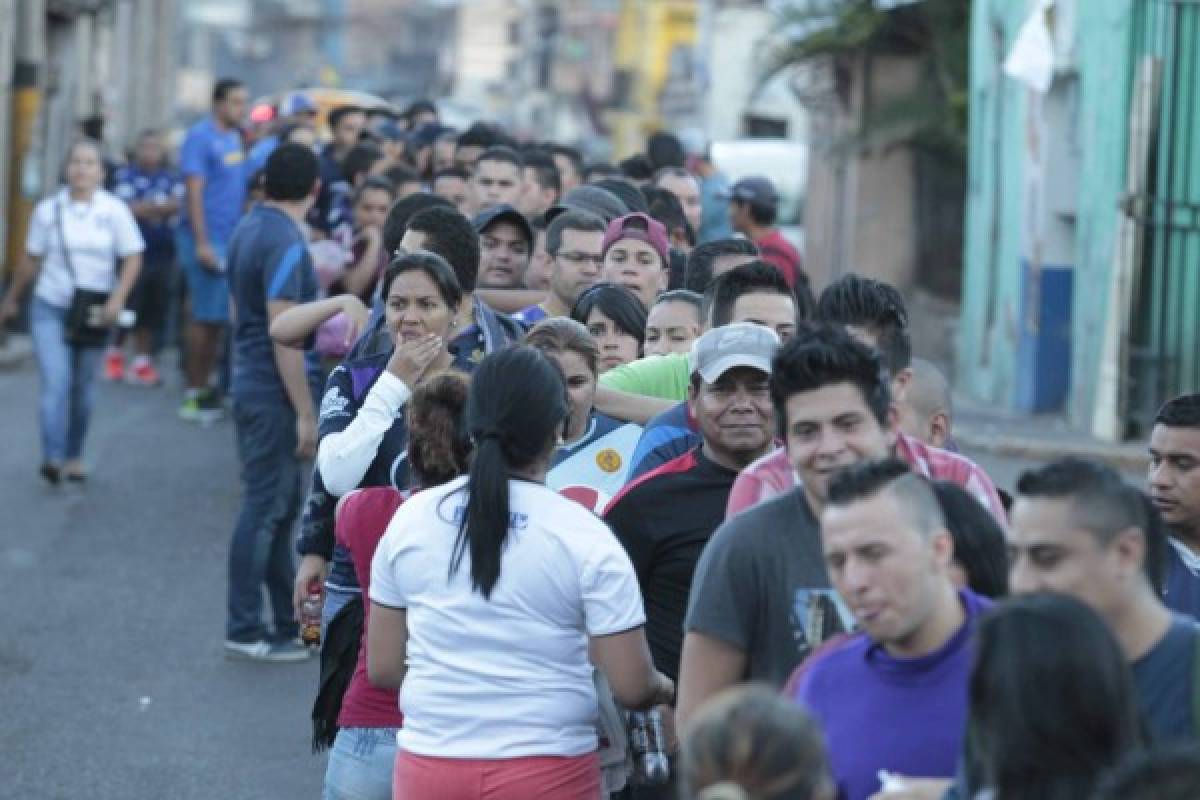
point(576, 257)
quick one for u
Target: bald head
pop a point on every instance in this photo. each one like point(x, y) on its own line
point(926, 408)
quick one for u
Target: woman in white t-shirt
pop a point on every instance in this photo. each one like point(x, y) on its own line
point(98, 231)
point(488, 594)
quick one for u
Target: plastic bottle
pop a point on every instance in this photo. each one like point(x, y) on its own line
point(648, 743)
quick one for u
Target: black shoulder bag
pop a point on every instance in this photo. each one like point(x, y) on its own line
point(84, 325)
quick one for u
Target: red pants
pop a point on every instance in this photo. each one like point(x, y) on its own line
point(532, 778)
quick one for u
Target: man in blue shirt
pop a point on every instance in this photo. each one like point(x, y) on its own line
point(1174, 486)
point(270, 271)
point(153, 191)
point(212, 161)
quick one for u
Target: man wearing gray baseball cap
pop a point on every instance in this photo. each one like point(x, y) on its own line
point(665, 517)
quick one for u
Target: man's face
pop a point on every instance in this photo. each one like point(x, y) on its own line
point(534, 199)
point(1049, 552)
point(149, 151)
point(739, 216)
point(424, 118)
point(576, 265)
point(769, 309)
point(371, 209)
point(348, 130)
point(671, 328)
point(493, 183)
point(455, 190)
point(638, 267)
point(568, 176)
point(465, 156)
point(886, 570)
point(829, 429)
point(687, 190)
point(443, 154)
point(1174, 476)
point(723, 264)
point(232, 109)
point(541, 265)
point(734, 415)
point(504, 256)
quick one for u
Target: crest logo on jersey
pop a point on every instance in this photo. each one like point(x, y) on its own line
point(608, 460)
point(334, 404)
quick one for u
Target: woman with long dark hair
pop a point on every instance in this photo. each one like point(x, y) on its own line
point(1051, 701)
point(980, 554)
point(487, 595)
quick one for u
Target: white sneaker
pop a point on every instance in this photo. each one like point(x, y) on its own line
point(272, 652)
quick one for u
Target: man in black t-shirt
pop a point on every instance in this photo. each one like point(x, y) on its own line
point(665, 518)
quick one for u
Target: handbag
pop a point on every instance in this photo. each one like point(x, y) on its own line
point(84, 325)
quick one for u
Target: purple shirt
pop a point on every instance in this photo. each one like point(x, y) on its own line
point(906, 716)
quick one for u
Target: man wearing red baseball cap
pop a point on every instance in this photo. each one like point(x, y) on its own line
point(637, 256)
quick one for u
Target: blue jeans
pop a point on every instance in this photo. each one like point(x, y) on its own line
point(68, 383)
point(360, 765)
point(261, 550)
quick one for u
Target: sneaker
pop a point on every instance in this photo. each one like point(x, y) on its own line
point(144, 374)
point(205, 409)
point(290, 651)
point(114, 365)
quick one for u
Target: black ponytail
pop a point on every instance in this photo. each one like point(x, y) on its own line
point(515, 410)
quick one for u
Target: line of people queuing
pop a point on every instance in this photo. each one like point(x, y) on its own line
point(556, 449)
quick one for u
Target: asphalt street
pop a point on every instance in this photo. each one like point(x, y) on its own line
point(113, 682)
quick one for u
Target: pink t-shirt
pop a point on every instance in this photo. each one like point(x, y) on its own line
point(361, 523)
point(773, 475)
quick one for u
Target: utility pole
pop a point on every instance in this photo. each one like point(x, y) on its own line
point(25, 155)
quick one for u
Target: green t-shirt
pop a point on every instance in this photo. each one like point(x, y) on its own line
point(666, 377)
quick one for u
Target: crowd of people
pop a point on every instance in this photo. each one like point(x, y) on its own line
point(566, 441)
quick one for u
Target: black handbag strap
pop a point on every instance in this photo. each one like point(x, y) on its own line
point(62, 242)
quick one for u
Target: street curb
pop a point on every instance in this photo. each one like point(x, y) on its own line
point(1122, 456)
point(15, 352)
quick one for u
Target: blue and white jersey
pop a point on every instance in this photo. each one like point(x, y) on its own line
point(600, 460)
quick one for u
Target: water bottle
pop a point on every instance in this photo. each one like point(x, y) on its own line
point(310, 618)
point(646, 739)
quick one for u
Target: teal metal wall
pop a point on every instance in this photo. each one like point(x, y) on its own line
point(998, 210)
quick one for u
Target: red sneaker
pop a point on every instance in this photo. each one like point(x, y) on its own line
point(145, 374)
point(114, 365)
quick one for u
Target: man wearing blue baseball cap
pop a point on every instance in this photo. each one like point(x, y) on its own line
point(753, 207)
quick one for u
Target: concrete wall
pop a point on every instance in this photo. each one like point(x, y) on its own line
point(1045, 173)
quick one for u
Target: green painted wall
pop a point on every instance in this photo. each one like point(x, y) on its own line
point(998, 209)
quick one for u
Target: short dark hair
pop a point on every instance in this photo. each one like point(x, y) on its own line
point(451, 236)
point(402, 211)
point(760, 213)
point(618, 304)
point(663, 149)
point(400, 174)
point(359, 159)
point(822, 355)
point(544, 171)
point(979, 545)
point(450, 172)
point(869, 478)
point(1169, 772)
point(375, 183)
point(1102, 503)
point(291, 173)
point(723, 293)
point(637, 168)
point(502, 153)
point(683, 296)
point(419, 106)
point(665, 207)
point(573, 220)
point(876, 306)
point(339, 113)
point(223, 87)
point(1180, 412)
point(432, 265)
point(624, 191)
point(484, 135)
point(699, 272)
